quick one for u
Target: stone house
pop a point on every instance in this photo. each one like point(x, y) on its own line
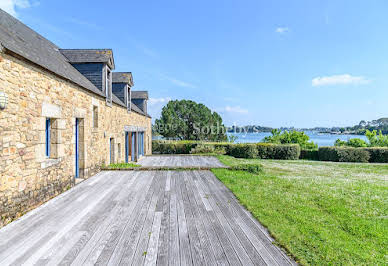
point(68, 114)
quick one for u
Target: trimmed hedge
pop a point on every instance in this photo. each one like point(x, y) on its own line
point(377, 155)
point(309, 155)
point(275, 151)
point(248, 151)
point(259, 150)
point(343, 154)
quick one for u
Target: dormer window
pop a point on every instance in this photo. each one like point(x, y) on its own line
point(108, 85)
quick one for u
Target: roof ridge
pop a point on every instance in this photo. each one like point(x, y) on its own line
point(85, 49)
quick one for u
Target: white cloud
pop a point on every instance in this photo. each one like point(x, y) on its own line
point(154, 101)
point(344, 79)
point(235, 109)
point(178, 82)
point(11, 5)
point(155, 106)
point(282, 30)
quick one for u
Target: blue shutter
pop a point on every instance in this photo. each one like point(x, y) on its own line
point(133, 146)
point(48, 126)
point(142, 143)
point(76, 148)
point(126, 146)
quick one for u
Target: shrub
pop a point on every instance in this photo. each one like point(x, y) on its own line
point(243, 151)
point(357, 143)
point(251, 168)
point(343, 154)
point(309, 155)
point(201, 148)
point(377, 155)
point(220, 150)
point(282, 152)
point(328, 154)
point(353, 155)
point(291, 137)
point(377, 140)
point(172, 148)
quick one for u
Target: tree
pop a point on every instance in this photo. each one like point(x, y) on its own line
point(287, 137)
point(188, 120)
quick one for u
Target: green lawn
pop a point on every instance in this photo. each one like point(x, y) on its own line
point(122, 165)
point(321, 212)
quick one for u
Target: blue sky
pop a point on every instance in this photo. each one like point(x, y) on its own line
point(272, 63)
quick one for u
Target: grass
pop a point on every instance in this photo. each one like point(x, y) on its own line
point(320, 212)
point(122, 165)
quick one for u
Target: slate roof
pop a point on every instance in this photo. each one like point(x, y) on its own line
point(137, 110)
point(89, 56)
point(139, 95)
point(23, 41)
point(123, 77)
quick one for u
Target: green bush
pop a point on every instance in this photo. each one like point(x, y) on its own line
point(343, 154)
point(172, 148)
point(248, 151)
point(309, 155)
point(353, 155)
point(201, 148)
point(291, 137)
point(378, 154)
point(220, 150)
point(282, 152)
point(356, 143)
point(251, 168)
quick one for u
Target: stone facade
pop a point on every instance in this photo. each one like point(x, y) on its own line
point(28, 178)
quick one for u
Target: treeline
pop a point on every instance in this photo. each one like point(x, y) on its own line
point(360, 129)
point(248, 129)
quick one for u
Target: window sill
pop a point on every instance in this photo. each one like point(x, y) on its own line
point(49, 162)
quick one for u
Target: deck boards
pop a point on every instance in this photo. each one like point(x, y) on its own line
point(142, 218)
point(180, 161)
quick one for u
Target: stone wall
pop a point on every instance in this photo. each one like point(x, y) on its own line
point(27, 177)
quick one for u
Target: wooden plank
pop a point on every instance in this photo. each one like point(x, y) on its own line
point(142, 244)
point(173, 250)
point(33, 220)
point(259, 231)
point(91, 247)
point(184, 242)
point(268, 251)
point(235, 243)
point(224, 206)
point(56, 220)
point(195, 244)
point(126, 247)
point(163, 249)
point(153, 244)
point(168, 181)
point(119, 242)
point(209, 227)
point(18, 259)
point(65, 230)
point(206, 249)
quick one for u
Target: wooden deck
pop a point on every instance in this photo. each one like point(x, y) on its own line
point(141, 218)
point(181, 161)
